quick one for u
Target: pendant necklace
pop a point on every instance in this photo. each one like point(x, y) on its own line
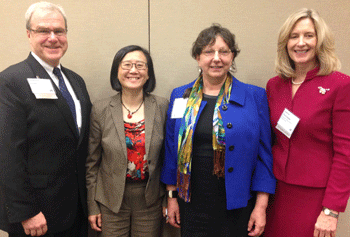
point(129, 112)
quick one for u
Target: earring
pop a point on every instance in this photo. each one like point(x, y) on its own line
point(200, 70)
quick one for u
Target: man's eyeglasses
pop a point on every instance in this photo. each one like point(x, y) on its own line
point(47, 32)
point(139, 65)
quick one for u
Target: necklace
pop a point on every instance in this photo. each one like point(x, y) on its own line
point(297, 83)
point(131, 113)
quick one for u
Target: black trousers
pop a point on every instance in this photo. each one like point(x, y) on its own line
point(216, 221)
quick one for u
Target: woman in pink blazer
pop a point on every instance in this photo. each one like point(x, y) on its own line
point(309, 104)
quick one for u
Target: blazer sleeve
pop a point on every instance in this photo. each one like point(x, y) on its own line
point(169, 169)
point(93, 160)
point(20, 201)
point(263, 177)
point(338, 186)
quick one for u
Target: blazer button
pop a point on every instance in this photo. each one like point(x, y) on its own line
point(224, 107)
point(231, 148)
point(229, 125)
point(149, 162)
point(230, 169)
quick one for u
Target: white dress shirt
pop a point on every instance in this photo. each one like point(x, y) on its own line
point(49, 70)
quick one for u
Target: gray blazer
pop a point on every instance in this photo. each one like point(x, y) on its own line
point(106, 164)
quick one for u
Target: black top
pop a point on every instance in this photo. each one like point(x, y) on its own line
point(203, 135)
point(205, 186)
point(206, 214)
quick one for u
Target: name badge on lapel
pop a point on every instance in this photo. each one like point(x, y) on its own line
point(179, 108)
point(42, 88)
point(287, 123)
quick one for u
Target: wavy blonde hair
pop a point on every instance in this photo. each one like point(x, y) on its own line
point(325, 49)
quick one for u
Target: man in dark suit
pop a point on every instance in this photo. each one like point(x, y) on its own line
point(44, 120)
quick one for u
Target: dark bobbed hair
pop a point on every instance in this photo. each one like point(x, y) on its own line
point(149, 86)
point(208, 37)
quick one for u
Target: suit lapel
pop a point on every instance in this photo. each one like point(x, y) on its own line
point(61, 103)
point(117, 115)
point(78, 90)
point(150, 112)
point(38, 70)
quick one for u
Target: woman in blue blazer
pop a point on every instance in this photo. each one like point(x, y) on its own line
point(218, 160)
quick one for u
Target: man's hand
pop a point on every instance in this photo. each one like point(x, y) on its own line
point(35, 226)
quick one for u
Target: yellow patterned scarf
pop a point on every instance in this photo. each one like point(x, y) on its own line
point(186, 131)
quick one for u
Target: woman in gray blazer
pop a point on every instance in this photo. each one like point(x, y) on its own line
point(125, 146)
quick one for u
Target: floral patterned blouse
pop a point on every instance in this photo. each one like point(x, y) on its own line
point(135, 143)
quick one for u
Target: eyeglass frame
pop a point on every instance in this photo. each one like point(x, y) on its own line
point(45, 32)
point(221, 52)
point(122, 65)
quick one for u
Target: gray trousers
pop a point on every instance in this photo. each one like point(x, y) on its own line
point(134, 218)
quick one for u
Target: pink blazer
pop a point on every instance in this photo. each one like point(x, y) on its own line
point(318, 152)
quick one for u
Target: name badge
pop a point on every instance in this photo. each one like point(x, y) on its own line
point(287, 123)
point(42, 88)
point(179, 108)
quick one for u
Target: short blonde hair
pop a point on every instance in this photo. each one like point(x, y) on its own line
point(325, 49)
point(45, 6)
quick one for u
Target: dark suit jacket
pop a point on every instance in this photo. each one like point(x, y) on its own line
point(42, 157)
point(107, 161)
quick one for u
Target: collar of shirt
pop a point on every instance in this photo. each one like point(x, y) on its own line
point(49, 69)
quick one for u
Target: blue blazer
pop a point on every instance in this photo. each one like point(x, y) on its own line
point(248, 161)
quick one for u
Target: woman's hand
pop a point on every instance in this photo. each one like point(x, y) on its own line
point(257, 221)
point(96, 222)
point(173, 213)
point(165, 212)
point(325, 226)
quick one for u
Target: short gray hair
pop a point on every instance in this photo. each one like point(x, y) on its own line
point(45, 6)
